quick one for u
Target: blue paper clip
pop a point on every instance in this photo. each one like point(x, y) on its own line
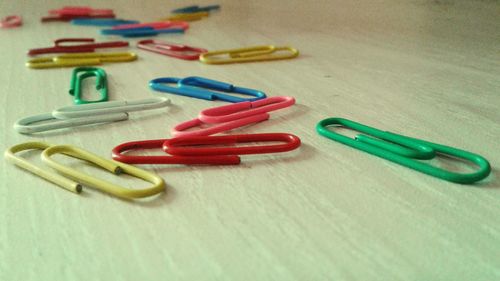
point(200, 88)
point(141, 31)
point(195, 9)
point(102, 22)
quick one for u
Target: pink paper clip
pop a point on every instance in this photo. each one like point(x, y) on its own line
point(155, 25)
point(232, 116)
point(241, 110)
point(69, 12)
point(173, 50)
point(11, 21)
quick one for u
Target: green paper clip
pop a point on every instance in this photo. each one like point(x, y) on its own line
point(77, 79)
point(404, 150)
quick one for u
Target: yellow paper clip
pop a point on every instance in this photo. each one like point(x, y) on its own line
point(80, 59)
point(257, 53)
point(69, 183)
point(187, 17)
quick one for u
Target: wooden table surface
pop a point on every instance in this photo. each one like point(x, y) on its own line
point(427, 69)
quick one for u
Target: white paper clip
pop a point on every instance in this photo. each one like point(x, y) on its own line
point(93, 113)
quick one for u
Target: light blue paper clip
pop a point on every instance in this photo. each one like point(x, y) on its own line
point(140, 32)
point(102, 22)
point(200, 88)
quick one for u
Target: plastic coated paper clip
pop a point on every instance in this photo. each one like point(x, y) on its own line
point(250, 54)
point(77, 81)
point(73, 12)
point(202, 88)
point(147, 29)
point(102, 22)
point(11, 21)
point(195, 9)
point(80, 59)
point(405, 150)
point(188, 16)
point(74, 180)
point(81, 48)
point(231, 116)
point(92, 113)
point(172, 50)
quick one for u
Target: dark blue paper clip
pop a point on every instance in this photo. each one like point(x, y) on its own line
point(200, 88)
point(140, 32)
point(195, 9)
point(102, 22)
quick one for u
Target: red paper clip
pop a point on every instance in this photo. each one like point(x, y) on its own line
point(231, 116)
point(82, 48)
point(155, 25)
point(190, 146)
point(11, 21)
point(173, 50)
point(68, 13)
point(151, 144)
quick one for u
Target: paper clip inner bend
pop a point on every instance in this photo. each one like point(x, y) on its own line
point(77, 81)
point(80, 59)
point(114, 167)
point(241, 110)
point(190, 146)
point(55, 178)
point(118, 155)
point(404, 150)
point(110, 107)
point(250, 54)
point(202, 88)
point(172, 50)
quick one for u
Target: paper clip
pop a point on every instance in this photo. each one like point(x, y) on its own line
point(82, 48)
point(228, 117)
point(201, 88)
point(146, 29)
point(79, 59)
point(118, 155)
point(172, 50)
point(188, 16)
point(404, 150)
point(195, 9)
point(155, 25)
point(68, 13)
point(76, 84)
point(11, 21)
point(114, 167)
point(102, 22)
point(258, 53)
point(194, 146)
point(93, 113)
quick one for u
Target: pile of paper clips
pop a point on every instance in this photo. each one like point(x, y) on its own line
point(194, 141)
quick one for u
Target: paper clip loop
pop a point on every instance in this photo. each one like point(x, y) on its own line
point(118, 155)
point(79, 59)
point(102, 22)
point(10, 155)
point(82, 48)
point(404, 150)
point(172, 50)
point(114, 167)
point(195, 9)
point(92, 113)
point(11, 21)
point(250, 54)
point(201, 88)
point(228, 117)
point(194, 146)
point(76, 84)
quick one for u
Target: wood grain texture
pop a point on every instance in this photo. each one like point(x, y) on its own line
point(428, 69)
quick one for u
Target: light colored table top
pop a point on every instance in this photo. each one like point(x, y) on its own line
point(428, 69)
